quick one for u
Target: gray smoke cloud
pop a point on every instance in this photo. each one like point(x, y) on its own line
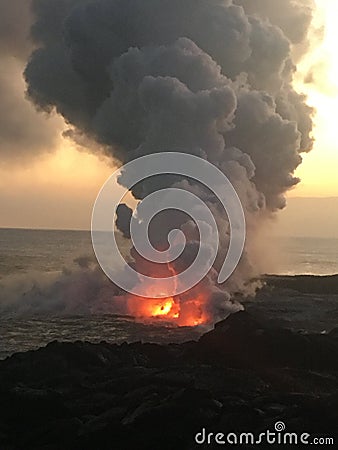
point(23, 131)
point(124, 215)
point(15, 22)
point(207, 77)
point(293, 17)
point(131, 73)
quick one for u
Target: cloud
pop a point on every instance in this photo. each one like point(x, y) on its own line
point(24, 132)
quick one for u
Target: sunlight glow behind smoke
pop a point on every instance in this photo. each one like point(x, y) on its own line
point(319, 169)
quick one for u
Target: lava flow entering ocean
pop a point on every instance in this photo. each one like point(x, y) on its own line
point(189, 312)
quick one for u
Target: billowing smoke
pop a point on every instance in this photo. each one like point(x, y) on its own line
point(79, 289)
point(208, 77)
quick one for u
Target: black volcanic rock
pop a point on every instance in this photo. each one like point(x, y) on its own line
point(308, 284)
point(241, 340)
point(243, 375)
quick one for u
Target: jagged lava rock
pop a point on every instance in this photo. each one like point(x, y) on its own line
point(244, 374)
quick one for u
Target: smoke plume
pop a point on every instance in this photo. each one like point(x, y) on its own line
point(208, 77)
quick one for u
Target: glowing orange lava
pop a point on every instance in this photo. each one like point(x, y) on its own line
point(164, 307)
point(187, 312)
point(189, 309)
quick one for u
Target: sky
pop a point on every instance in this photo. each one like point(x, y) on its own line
point(318, 171)
point(57, 189)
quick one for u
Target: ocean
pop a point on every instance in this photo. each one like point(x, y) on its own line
point(307, 256)
point(23, 251)
point(39, 264)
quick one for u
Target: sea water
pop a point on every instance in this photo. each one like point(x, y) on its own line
point(31, 257)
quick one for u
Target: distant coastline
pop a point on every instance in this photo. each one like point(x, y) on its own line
point(306, 284)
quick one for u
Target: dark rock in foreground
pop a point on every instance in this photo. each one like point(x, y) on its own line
point(242, 376)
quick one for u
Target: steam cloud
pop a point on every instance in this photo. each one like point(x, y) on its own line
point(207, 77)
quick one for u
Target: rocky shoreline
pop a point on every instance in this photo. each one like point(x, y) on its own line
point(245, 375)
